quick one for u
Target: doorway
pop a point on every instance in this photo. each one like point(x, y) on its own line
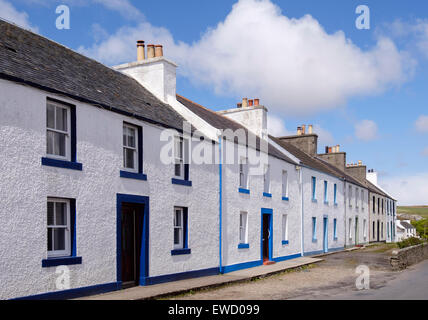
point(378, 231)
point(325, 234)
point(266, 243)
point(132, 240)
point(132, 228)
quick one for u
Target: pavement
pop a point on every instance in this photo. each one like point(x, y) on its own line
point(195, 284)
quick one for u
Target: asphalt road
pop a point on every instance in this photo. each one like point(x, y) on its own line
point(410, 284)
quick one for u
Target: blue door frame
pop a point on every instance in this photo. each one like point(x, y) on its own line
point(325, 228)
point(144, 254)
point(269, 213)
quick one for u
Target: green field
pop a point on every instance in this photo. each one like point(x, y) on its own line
point(419, 210)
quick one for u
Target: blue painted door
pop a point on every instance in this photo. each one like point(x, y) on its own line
point(325, 229)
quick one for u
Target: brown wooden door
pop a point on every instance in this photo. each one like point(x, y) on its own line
point(132, 223)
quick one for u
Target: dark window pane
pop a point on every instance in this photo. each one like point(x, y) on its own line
point(61, 119)
point(59, 239)
point(61, 144)
point(176, 236)
point(50, 116)
point(50, 142)
point(49, 239)
point(129, 156)
point(50, 213)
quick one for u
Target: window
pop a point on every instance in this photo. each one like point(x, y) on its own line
point(58, 133)
point(378, 205)
point(374, 204)
point(314, 229)
point(314, 187)
point(350, 228)
point(357, 194)
point(243, 173)
point(243, 232)
point(284, 184)
point(350, 196)
point(130, 148)
point(266, 180)
point(325, 192)
point(58, 228)
point(179, 157)
point(178, 228)
point(335, 193)
point(364, 228)
point(335, 229)
point(374, 230)
point(284, 229)
point(362, 199)
point(381, 230)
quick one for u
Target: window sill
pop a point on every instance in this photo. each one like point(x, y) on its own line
point(267, 195)
point(314, 201)
point(242, 190)
point(178, 252)
point(285, 198)
point(243, 246)
point(133, 175)
point(181, 182)
point(285, 242)
point(62, 164)
point(61, 261)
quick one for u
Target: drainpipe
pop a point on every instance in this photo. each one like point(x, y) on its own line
point(345, 196)
point(220, 168)
point(302, 246)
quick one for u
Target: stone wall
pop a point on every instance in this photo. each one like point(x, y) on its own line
point(403, 258)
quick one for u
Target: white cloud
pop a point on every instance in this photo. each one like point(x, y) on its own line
point(366, 130)
point(324, 136)
point(408, 189)
point(276, 126)
point(124, 7)
point(10, 13)
point(422, 124)
point(293, 65)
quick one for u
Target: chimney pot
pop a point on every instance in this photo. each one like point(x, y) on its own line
point(299, 131)
point(326, 149)
point(158, 50)
point(330, 150)
point(239, 105)
point(338, 148)
point(310, 129)
point(140, 50)
point(303, 129)
point(244, 102)
point(360, 163)
point(256, 102)
point(150, 51)
point(250, 103)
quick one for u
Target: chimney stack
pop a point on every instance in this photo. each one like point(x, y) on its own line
point(158, 51)
point(150, 51)
point(140, 50)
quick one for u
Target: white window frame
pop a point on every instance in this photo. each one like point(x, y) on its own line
point(357, 196)
point(365, 229)
point(179, 158)
point(266, 179)
point(180, 227)
point(285, 183)
point(67, 241)
point(243, 227)
point(350, 196)
point(243, 173)
point(127, 126)
point(285, 227)
point(350, 228)
point(67, 133)
point(362, 199)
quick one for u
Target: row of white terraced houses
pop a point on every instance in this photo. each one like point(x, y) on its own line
point(87, 195)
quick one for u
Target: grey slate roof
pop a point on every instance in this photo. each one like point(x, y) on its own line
point(406, 225)
point(26, 57)
point(222, 122)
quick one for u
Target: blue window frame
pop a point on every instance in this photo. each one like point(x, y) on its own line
point(181, 245)
point(335, 194)
point(325, 192)
point(59, 239)
point(314, 187)
point(132, 152)
point(314, 229)
point(335, 229)
point(61, 136)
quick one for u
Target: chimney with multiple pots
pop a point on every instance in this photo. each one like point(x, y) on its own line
point(153, 51)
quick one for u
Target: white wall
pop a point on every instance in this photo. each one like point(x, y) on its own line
point(26, 184)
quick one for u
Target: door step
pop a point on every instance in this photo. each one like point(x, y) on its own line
point(267, 262)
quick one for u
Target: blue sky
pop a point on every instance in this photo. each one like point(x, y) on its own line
point(363, 89)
